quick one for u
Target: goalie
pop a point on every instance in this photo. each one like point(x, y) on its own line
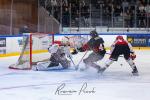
point(58, 57)
point(121, 47)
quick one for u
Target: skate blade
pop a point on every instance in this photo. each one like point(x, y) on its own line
point(76, 68)
point(135, 74)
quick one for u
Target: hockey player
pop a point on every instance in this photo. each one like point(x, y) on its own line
point(96, 44)
point(121, 47)
point(58, 57)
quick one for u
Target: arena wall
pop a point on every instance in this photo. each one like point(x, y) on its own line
point(12, 45)
point(24, 12)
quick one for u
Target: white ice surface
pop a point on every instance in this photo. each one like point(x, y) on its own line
point(117, 83)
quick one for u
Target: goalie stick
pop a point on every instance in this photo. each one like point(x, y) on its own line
point(77, 66)
point(72, 60)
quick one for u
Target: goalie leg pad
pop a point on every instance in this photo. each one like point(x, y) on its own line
point(52, 64)
point(41, 66)
point(65, 63)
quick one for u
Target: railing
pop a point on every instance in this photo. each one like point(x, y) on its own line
point(103, 15)
point(47, 23)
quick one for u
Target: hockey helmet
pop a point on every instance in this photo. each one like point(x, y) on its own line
point(93, 34)
point(119, 37)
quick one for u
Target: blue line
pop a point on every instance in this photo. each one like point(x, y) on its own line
point(3, 36)
point(129, 34)
point(147, 34)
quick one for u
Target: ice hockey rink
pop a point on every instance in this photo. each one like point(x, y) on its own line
point(117, 83)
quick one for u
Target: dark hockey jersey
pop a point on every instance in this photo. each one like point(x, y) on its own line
point(96, 44)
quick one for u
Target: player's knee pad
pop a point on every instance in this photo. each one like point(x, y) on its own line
point(108, 62)
point(131, 63)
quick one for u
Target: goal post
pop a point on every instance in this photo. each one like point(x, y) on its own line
point(34, 49)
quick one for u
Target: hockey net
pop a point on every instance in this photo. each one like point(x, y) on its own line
point(34, 49)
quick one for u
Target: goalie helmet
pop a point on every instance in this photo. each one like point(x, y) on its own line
point(93, 34)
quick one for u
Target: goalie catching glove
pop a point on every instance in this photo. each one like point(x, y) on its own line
point(74, 51)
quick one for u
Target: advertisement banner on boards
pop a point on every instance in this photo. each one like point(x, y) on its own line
point(2, 42)
point(137, 41)
point(2, 50)
point(149, 42)
point(2, 45)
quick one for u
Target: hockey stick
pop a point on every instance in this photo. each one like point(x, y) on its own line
point(77, 66)
point(110, 54)
point(72, 60)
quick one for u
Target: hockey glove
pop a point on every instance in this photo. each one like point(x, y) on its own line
point(74, 52)
point(81, 49)
point(132, 56)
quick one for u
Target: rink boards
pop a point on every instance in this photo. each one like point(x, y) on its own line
point(12, 45)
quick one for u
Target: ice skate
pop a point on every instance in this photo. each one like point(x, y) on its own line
point(135, 72)
point(101, 70)
point(84, 69)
